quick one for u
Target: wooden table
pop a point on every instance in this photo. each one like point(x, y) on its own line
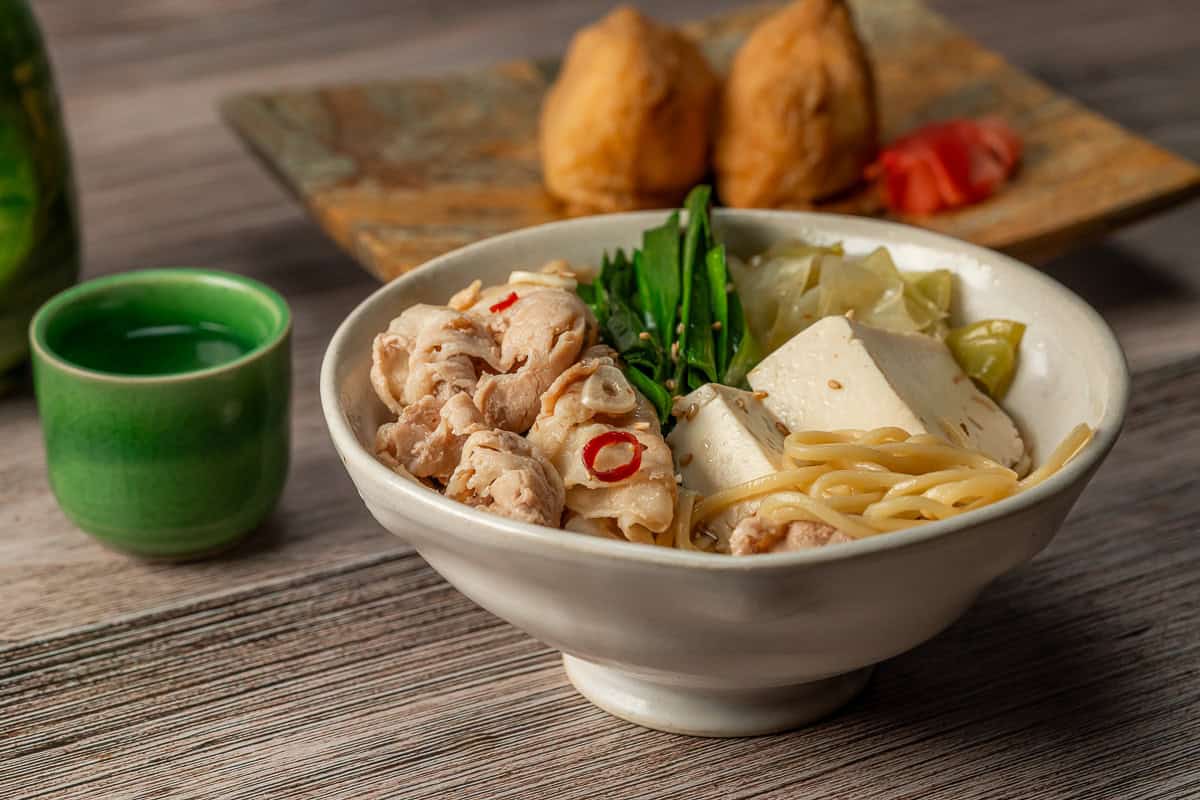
point(324, 659)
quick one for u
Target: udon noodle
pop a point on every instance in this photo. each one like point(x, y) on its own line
point(865, 483)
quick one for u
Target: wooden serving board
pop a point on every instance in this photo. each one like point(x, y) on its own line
point(401, 171)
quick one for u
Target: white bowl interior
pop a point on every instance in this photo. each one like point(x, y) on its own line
point(1071, 369)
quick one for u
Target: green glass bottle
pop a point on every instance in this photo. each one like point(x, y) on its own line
point(39, 234)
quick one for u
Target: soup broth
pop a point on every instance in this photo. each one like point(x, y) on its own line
point(133, 347)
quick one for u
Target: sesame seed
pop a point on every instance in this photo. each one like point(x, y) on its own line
point(641, 426)
point(679, 329)
point(834, 384)
point(729, 287)
point(779, 426)
point(674, 351)
point(759, 395)
point(685, 459)
point(692, 411)
point(716, 326)
point(678, 478)
point(740, 403)
point(670, 384)
point(644, 336)
point(850, 313)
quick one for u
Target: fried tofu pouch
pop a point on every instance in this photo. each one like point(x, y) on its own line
point(628, 122)
point(798, 118)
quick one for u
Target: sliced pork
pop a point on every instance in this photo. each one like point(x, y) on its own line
point(431, 351)
point(592, 399)
point(427, 439)
point(541, 332)
point(755, 534)
point(504, 473)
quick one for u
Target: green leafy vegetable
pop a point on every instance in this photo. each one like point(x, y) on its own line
point(670, 310)
point(620, 275)
point(623, 327)
point(620, 323)
point(718, 300)
point(698, 238)
point(744, 358)
point(695, 243)
point(697, 350)
point(655, 268)
point(587, 293)
point(655, 392)
point(744, 349)
point(596, 294)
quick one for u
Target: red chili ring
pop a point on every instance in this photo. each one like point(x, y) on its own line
point(505, 303)
point(592, 449)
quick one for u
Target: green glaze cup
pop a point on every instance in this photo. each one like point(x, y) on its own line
point(164, 399)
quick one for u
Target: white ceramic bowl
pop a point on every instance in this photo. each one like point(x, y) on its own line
point(716, 645)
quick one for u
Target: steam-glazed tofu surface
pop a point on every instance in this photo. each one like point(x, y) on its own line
point(723, 437)
point(839, 374)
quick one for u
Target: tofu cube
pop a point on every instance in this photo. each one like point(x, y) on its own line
point(840, 374)
point(725, 437)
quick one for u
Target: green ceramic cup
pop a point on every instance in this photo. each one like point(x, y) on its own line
point(164, 398)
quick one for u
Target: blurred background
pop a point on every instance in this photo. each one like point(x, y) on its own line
point(162, 181)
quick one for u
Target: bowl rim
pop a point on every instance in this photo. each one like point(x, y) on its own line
point(483, 527)
point(180, 278)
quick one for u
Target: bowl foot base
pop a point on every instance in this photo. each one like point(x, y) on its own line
point(711, 712)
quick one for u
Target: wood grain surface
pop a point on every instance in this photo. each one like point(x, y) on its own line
point(400, 171)
point(324, 659)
